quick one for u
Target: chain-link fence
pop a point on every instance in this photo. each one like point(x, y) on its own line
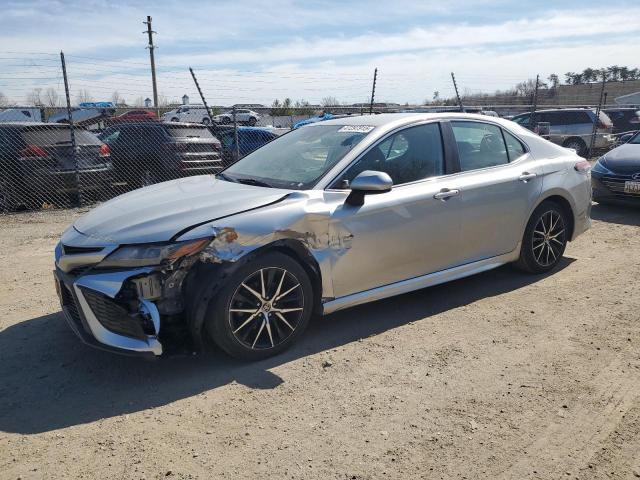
point(59, 147)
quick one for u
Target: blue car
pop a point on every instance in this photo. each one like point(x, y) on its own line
point(249, 139)
point(321, 118)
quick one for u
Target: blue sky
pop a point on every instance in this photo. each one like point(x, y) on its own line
point(249, 51)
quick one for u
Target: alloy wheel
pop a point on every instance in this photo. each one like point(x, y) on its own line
point(548, 238)
point(266, 308)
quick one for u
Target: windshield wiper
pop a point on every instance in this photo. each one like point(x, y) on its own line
point(226, 177)
point(253, 181)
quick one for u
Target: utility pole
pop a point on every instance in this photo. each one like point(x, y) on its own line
point(195, 80)
point(597, 120)
point(373, 90)
point(455, 86)
point(153, 61)
point(534, 103)
point(77, 198)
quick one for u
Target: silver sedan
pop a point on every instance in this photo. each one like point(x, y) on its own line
point(328, 216)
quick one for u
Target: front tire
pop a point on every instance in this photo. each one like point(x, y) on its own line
point(262, 307)
point(545, 239)
point(252, 121)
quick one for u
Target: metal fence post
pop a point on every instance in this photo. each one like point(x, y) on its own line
point(534, 103)
point(595, 124)
point(373, 90)
point(204, 101)
point(455, 86)
point(235, 133)
point(77, 200)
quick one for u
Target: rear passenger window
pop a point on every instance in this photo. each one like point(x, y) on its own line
point(515, 148)
point(480, 145)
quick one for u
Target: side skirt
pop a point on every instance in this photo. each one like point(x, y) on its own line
point(418, 283)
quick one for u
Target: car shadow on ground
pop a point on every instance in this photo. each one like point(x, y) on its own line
point(620, 214)
point(51, 381)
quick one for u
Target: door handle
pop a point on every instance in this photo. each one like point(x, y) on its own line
point(526, 176)
point(445, 194)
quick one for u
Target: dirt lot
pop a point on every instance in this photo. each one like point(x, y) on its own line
point(502, 375)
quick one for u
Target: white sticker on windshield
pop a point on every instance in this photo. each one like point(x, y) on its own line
point(356, 128)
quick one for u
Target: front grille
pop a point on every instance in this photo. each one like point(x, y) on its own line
point(616, 185)
point(69, 302)
point(113, 316)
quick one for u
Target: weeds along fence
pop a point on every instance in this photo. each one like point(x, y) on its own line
point(78, 130)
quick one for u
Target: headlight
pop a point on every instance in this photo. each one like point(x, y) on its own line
point(598, 167)
point(153, 254)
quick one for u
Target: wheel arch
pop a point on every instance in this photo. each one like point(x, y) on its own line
point(563, 201)
point(299, 252)
point(205, 278)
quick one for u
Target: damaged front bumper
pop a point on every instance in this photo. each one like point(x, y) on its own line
point(97, 311)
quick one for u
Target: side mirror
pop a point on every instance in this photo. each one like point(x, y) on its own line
point(368, 182)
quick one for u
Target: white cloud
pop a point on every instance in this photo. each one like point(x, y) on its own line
point(412, 63)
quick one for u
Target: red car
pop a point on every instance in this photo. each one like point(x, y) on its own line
point(135, 116)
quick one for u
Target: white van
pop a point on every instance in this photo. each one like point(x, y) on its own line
point(189, 114)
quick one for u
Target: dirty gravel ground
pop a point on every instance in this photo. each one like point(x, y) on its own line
point(502, 375)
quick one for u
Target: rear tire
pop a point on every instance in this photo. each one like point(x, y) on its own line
point(267, 317)
point(206, 121)
point(252, 121)
point(578, 145)
point(545, 238)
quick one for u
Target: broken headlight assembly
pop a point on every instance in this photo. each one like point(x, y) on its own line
point(149, 255)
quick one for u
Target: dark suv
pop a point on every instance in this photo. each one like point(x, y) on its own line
point(38, 165)
point(572, 127)
point(625, 119)
point(147, 152)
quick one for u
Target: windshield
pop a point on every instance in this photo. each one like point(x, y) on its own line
point(298, 159)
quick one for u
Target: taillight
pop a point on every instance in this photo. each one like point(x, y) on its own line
point(33, 151)
point(601, 124)
point(105, 151)
point(583, 166)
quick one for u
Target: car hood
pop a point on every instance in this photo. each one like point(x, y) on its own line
point(157, 213)
point(624, 159)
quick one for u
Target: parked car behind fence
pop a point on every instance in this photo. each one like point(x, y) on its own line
point(249, 139)
point(38, 165)
point(144, 153)
point(572, 128)
point(188, 114)
point(625, 119)
point(243, 116)
point(135, 116)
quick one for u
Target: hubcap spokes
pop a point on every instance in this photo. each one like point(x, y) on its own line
point(266, 308)
point(548, 238)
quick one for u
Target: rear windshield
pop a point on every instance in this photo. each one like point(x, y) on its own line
point(54, 136)
point(190, 132)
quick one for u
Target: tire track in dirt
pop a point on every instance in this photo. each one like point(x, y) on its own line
point(567, 445)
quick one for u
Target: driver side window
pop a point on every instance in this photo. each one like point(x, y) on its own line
point(480, 145)
point(412, 154)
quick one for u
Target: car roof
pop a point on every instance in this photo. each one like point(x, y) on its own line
point(577, 109)
point(158, 124)
point(384, 119)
